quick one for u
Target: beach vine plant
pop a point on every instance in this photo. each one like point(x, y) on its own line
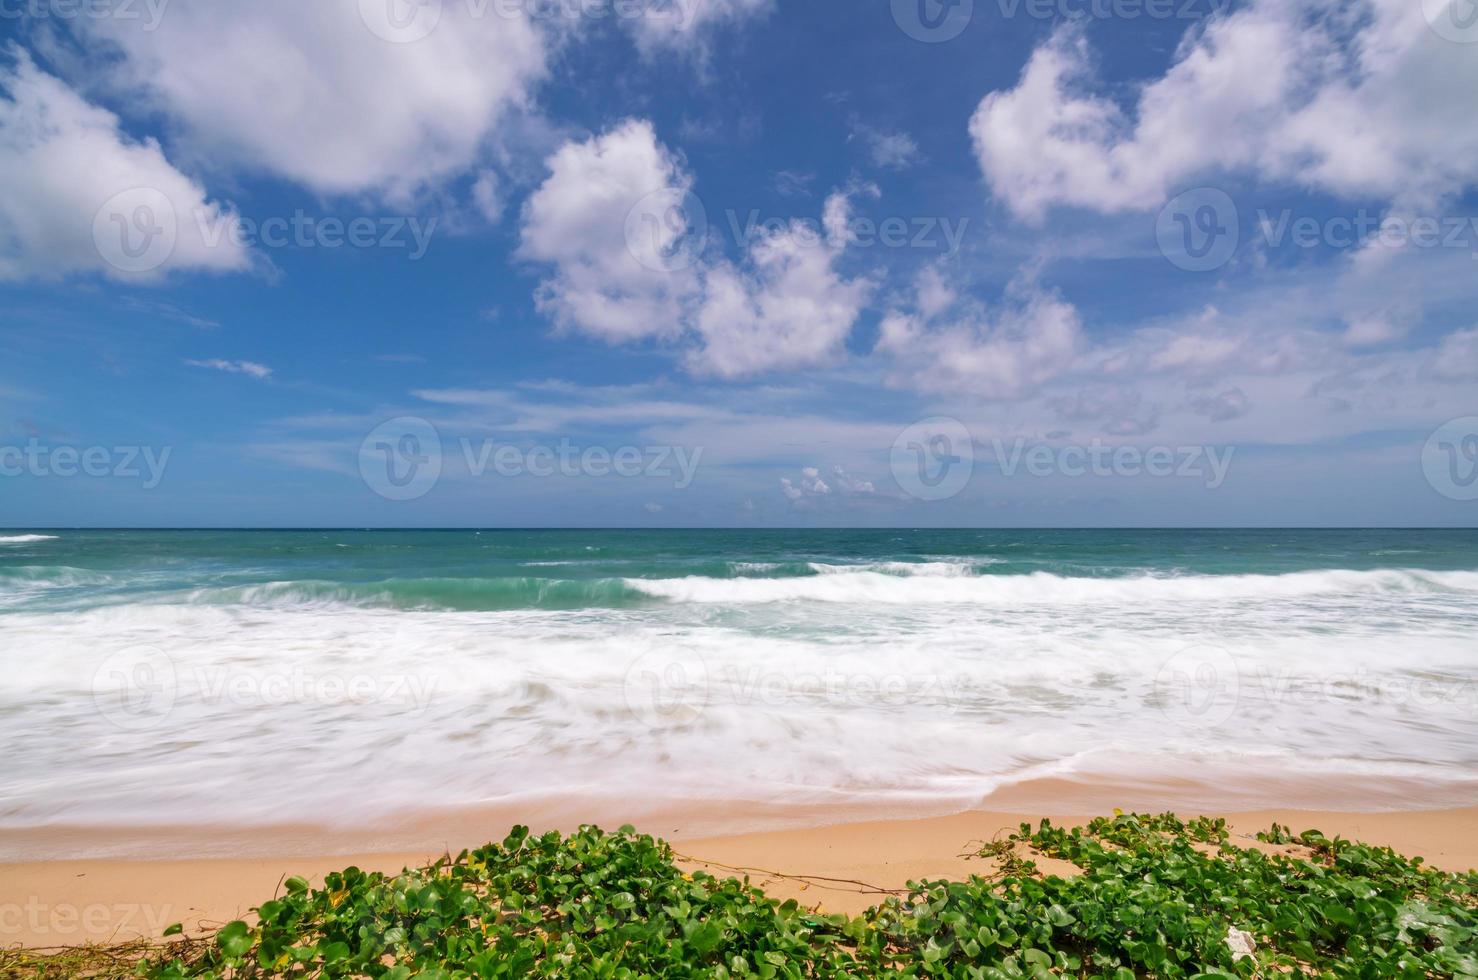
point(1154, 897)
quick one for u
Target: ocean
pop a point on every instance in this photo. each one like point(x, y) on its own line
point(151, 677)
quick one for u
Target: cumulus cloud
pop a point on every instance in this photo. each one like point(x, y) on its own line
point(324, 95)
point(614, 278)
point(789, 308)
point(1033, 337)
point(250, 368)
point(81, 196)
point(1350, 100)
point(850, 483)
point(615, 221)
point(810, 484)
point(1031, 345)
point(343, 97)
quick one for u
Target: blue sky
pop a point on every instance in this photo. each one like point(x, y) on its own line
point(1086, 262)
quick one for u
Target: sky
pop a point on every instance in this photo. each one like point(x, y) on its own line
point(738, 263)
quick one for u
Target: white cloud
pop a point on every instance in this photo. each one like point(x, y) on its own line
point(933, 294)
point(607, 283)
point(1033, 337)
point(810, 484)
point(1269, 357)
point(307, 91)
point(1381, 326)
point(790, 309)
point(1457, 356)
point(487, 196)
point(64, 160)
point(1348, 100)
point(168, 311)
point(250, 368)
point(850, 483)
point(608, 219)
point(890, 150)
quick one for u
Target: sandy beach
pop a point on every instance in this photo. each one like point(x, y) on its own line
point(837, 867)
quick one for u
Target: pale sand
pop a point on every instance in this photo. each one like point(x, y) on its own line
point(841, 868)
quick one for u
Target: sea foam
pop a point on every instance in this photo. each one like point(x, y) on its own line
point(242, 693)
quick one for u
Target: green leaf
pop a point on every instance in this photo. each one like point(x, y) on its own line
point(1060, 916)
point(706, 937)
point(234, 939)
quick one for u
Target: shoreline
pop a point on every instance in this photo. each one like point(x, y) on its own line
point(1223, 790)
point(840, 866)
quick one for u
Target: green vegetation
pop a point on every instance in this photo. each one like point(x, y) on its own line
point(1155, 897)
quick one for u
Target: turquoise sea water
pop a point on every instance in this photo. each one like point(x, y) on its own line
point(278, 675)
